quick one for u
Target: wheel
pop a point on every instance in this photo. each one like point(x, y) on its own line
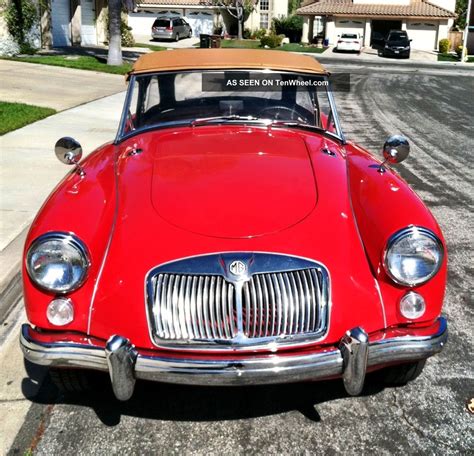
point(77, 380)
point(190, 34)
point(402, 373)
point(176, 37)
point(407, 56)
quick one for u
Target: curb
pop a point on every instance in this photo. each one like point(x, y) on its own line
point(391, 63)
point(10, 274)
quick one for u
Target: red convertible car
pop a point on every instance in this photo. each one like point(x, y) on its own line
point(231, 235)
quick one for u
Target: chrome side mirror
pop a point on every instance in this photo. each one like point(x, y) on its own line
point(396, 149)
point(69, 152)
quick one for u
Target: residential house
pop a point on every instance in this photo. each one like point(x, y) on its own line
point(202, 15)
point(74, 22)
point(426, 22)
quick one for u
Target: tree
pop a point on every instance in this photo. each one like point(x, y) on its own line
point(115, 36)
point(293, 5)
point(461, 11)
point(238, 9)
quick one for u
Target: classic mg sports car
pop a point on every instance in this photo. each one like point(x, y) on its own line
point(231, 235)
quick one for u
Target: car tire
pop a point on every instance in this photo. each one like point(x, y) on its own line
point(190, 34)
point(176, 38)
point(74, 381)
point(401, 374)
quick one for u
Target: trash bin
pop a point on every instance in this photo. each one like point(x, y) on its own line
point(215, 41)
point(204, 40)
point(326, 43)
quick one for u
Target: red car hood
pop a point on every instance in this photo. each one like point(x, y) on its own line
point(232, 185)
point(190, 187)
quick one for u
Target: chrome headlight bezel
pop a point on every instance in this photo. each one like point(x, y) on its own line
point(69, 239)
point(402, 234)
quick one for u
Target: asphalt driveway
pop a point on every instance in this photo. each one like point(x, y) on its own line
point(429, 416)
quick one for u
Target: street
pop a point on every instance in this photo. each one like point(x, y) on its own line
point(433, 109)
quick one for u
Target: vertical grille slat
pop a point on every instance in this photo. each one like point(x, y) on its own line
point(287, 303)
point(201, 307)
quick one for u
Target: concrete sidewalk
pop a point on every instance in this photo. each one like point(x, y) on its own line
point(29, 170)
point(54, 87)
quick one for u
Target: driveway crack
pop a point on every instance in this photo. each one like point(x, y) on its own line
point(419, 431)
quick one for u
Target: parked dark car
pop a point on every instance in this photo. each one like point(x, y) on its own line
point(396, 44)
point(171, 29)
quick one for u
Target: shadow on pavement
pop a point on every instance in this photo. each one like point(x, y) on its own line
point(160, 401)
point(98, 52)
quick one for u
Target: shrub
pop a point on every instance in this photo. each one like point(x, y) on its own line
point(246, 34)
point(444, 45)
point(459, 51)
point(21, 19)
point(258, 34)
point(127, 37)
point(291, 26)
point(272, 40)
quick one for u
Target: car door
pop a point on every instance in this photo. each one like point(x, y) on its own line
point(180, 27)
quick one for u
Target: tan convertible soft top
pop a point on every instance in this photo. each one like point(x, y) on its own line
point(211, 59)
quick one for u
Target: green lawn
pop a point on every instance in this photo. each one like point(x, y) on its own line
point(452, 58)
point(447, 58)
point(295, 47)
point(255, 44)
point(152, 47)
point(17, 115)
point(78, 62)
point(240, 44)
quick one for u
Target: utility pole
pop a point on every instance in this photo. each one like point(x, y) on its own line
point(466, 32)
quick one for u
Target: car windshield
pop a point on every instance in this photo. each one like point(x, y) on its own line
point(349, 36)
point(201, 97)
point(398, 36)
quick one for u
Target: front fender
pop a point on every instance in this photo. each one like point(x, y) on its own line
point(383, 203)
point(84, 206)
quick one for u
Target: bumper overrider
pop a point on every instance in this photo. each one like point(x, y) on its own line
point(351, 359)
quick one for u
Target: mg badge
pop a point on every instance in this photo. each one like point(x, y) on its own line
point(238, 268)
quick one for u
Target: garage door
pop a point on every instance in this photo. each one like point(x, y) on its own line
point(60, 16)
point(422, 34)
point(142, 22)
point(349, 26)
point(200, 21)
point(88, 32)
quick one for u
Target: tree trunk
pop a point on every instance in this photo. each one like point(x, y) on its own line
point(19, 15)
point(240, 17)
point(115, 37)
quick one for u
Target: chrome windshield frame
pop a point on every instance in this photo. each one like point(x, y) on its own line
point(338, 135)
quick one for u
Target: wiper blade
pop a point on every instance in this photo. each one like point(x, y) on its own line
point(266, 122)
point(293, 123)
point(218, 119)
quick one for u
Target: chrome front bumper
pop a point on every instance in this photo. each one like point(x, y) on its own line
point(350, 359)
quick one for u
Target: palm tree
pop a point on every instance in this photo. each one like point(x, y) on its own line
point(115, 35)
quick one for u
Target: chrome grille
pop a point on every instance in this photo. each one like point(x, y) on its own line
point(194, 307)
point(204, 302)
point(280, 304)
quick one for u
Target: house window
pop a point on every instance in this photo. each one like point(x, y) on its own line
point(264, 20)
point(264, 5)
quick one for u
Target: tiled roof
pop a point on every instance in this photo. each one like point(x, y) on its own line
point(420, 8)
point(171, 3)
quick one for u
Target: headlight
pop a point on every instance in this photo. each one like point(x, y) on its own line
point(413, 256)
point(58, 262)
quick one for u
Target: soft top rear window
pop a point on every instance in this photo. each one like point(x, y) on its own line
point(349, 35)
